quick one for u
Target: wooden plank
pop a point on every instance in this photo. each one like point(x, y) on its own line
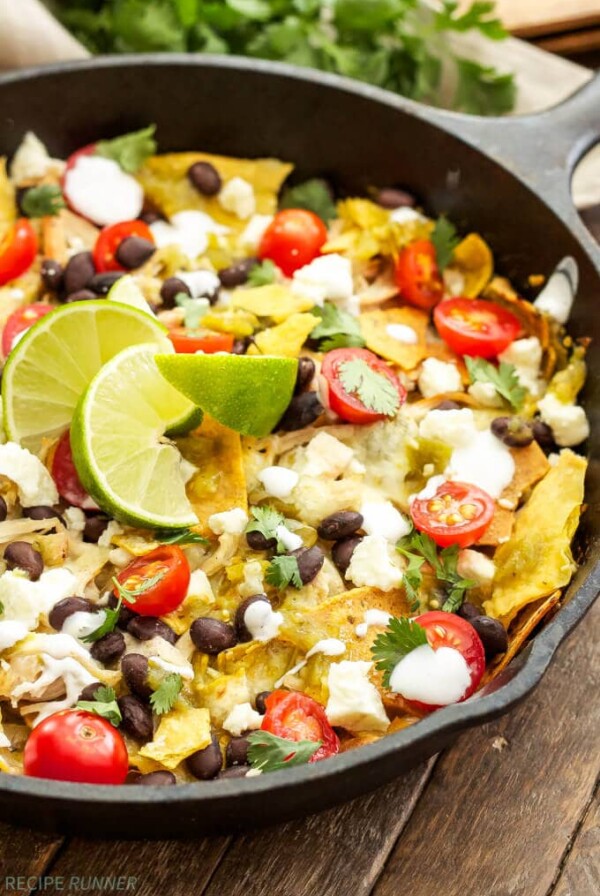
point(580, 875)
point(533, 17)
point(571, 43)
point(338, 853)
point(502, 805)
point(26, 854)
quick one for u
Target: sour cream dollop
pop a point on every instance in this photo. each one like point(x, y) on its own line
point(437, 677)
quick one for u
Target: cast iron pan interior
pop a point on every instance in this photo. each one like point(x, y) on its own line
point(358, 136)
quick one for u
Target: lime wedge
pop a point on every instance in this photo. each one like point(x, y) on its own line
point(127, 292)
point(52, 365)
point(247, 393)
point(119, 449)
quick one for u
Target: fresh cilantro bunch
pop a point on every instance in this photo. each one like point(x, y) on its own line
point(396, 44)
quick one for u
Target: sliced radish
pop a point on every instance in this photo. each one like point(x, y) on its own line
point(100, 190)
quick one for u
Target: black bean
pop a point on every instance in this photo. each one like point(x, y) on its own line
point(66, 607)
point(134, 251)
point(260, 703)
point(94, 527)
point(492, 633)
point(102, 283)
point(80, 295)
point(390, 197)
point(306, 372)
point(341, 552)
point(339, 525)
point(52, 274)
point(42, 512)
point(236, 771)
point(3, 509)
point(448, 405)
point(134, 667)
point(237, 273)
point(302, 410)
point(20, 555)
point(468, 611)
point(310, 561)
point(109, 648)
point(236, 752)
point(161, 778)
point(171, 288)
point(211, 635)
point(137, 717)
point(513, 431)
point(146, 627)
point(241, 631)
point(79, 271)
point(205, 178)
point(89, 691)
point(206, 763)
point(125, 614)
point(258, 542)
point(543, 435)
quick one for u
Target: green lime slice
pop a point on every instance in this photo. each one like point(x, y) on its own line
point(247, 393)
point(119, 446)
point(52, 365)
point(127, 292)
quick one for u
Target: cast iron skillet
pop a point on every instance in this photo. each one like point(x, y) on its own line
point(508, 180)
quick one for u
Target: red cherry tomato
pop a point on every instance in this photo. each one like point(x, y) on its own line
point(475, 327)
point(20, 321)
point(208, 341)
point(418, 276)
point(17, 251)
point(159, 579)
point(348, 405)
point(458, 513)
point(109, 240)
point(293, 238)
point(449, 630)
point(295, 716)
point(74, 745)
point(66, 477)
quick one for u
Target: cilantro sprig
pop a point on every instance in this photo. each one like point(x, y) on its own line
point(43, 201)
point(400, 638)
point(503, 378)
point(374, 389)
point(107, 626)
point(268, 753)
point(283, 571)
point(130, 151)
point(181, 536)
point(419, 548)
point(104, 704)
point(445, 240)
point(266, 520)
point(262, 274)
point(163, 698)
point(337, 329)
point(313, 195)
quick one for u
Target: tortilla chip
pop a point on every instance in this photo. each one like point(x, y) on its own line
point(167, 187)
point(373, 325)
point(358, 740)
point(287, 338)
point(499, 530)
point(537, 559)
point(380, 291)
point(534, 323)
point(180, 733)
point(274, 300)
point(219, 484)
point(473, 259)
point(264, 662)
point(8, 207)
point(365, 230)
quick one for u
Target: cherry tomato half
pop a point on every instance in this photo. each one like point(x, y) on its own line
point(449, 630)
point(18, 251)
point(74, 745)
point(293, 238)
point(458, 513)
point(158, 579)
point(348, 405)
point(109, 240)
point(295, 716)
point(20, 321)
point(417, 275)
point(66, 477)
point(208, 341)
point(475, 327)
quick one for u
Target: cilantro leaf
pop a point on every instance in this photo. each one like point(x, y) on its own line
point(389, 647)
point(269, 753)
point(43, 201)
point(444, 564)
point(131, 150)
point(130, 595)
point(104, 704)
point(266, 520)
point(313, 195)
point(338, 328)
point(445, 241)
point(262, 274)
point(110, 621)
point(374, 389)
point(181, 536)
point(283, 571)
point(479, 16)
point(482, 90)
point(412, 576)
point(164, 697)
point(503, 378)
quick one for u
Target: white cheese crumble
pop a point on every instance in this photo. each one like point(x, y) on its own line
point(568, 422)
point(12, 631)
point(100, 190)
point(374, 564)
point(278, 481)
point(402, 333)
point(382, 518)
point(326, 277)
point(378, 618)
point(232, 521)
point(437, 677)
point(34, 483)
point(199, 584)
point(242, 718)
point(74, 517)
point(326, 456)
point(437, 377)
point(557, 296)
point(456, 428)
point(406, 215)
point(199, 283)
point(289, 540)
point(187, 229)
point(113, 529)
point(262, 621)
point(254, 231)
point(237, 196)
point(354, 702)
point(25, 601)
point(32, 161)
point(526, 356)
point(475, 565)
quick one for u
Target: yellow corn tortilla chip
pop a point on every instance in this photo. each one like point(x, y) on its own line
point(220, 483)
point(537, 560)
point(473, 259)
point(273, 300)
point(263, 662)
point(285, 339)
point(374, 324)
point(180, 733)
point(166, 185)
